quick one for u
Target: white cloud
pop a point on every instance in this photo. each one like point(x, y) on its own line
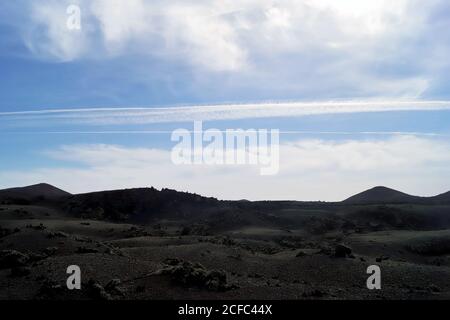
point(309, 170)
point(286, 48)
point(364, 17)
point(57, 40)
point(221, 26)
point(121, 21)
point(365, 156)
point(179, 30)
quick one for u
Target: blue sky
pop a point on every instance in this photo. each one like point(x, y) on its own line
point(232, 57)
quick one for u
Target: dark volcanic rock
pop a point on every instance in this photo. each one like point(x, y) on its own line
point(382, 258)
point(434, 288)
point(86, 250)
point(50, 251)
point(301, 254)
point(316, 293)
point(39, 227)
point(97, 291)
point(135, 232)
point(5, 232)
point(57, 234)
point(431, 247)
point(50, 290)
point(20, 271)
point(342, 251)
point(113, 287)
point(35, 257)
point(12, 259)
point(195, 275)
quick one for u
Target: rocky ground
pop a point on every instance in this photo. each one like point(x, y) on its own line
point(166, 261)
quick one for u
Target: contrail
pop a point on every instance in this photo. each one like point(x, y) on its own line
point(288, 132)
point(141, 115)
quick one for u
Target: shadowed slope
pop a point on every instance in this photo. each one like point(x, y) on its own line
point(381, 195)
point(40, 191)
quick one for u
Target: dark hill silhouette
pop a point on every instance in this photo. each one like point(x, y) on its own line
point(382, 195)
point(37, 192)
point(442, 198)
point(147, 205)
point(137, 204)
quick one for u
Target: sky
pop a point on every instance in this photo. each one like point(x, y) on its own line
point(359, 90)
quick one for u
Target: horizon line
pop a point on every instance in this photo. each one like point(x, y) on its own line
point(166, 188)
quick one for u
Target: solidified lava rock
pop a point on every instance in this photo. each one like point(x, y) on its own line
point(342, 251)
point(82, 250)
point(300, 254)
point(50, 290)
point(113, 287)
point(195, 275)
point(12, 259)
point(97, 291)
point(57, 234)
point(20, 271)
point(316, 293)
point(5, 232)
